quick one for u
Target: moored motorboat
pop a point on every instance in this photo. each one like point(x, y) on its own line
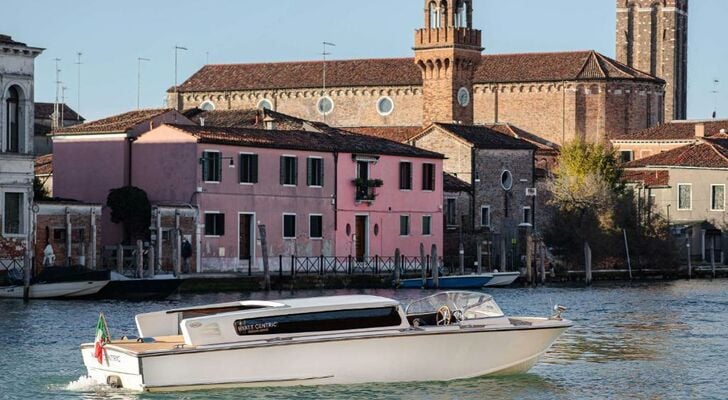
point(59, 290)
point(473, 281)
point(326, 340)
point(501, 279)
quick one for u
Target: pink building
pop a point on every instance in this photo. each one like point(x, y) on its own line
point(92, 158)
point(324, 192)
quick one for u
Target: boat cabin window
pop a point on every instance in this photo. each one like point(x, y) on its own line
point(468, 305)
point(323, 321)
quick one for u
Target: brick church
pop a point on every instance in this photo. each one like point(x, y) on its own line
point(556, 96)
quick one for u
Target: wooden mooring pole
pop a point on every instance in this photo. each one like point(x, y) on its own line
point(139, 259)
point(588, 263)
point(435, 268)
point(479, 251)
point(626, 248)
point(423, 264)
point(264, 251)
point(397, 266)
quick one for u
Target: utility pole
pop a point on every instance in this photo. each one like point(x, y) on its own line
point(139, 80)
point(176, 49)
point(58, 88)
point(78, 94)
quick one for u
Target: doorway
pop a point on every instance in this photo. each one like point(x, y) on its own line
point(246, 237)
point(361, 237)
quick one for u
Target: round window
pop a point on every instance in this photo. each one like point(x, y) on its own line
point(385, 106)
point(376, 229)
point(348, 229)
point(325, 105)
point(506, 180)
point(207, 106)
point(265, 104)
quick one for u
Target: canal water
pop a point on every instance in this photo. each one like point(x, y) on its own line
point(641, 341)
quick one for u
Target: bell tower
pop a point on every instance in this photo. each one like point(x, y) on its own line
point(652, 36)
point(448, 50)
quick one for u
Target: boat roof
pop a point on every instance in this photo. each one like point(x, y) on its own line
point(329, 302)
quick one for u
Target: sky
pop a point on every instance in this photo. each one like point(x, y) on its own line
point(112, 35)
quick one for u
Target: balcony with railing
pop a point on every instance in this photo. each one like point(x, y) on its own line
point(366, 189)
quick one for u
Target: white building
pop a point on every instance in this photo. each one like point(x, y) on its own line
point(16, 138)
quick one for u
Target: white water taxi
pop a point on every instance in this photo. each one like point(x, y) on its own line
point(324, 340)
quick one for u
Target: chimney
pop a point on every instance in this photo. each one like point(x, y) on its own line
point(202, 122)
point(700, 130)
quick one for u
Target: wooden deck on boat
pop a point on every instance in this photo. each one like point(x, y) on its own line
point(161, 343)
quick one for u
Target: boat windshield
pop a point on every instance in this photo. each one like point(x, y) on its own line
point(470, 305)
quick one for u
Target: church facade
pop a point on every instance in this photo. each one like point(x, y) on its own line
point(557, 96)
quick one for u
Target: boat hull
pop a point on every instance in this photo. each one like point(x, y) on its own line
point(60, 290)
point(503, 279)
point(433, 354)
point(449, 282)
point(139, 289)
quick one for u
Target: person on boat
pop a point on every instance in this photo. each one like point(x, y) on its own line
point(49, 257)
point(186, 251)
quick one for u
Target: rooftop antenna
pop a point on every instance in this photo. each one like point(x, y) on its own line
point(58, 88)
point(78, 90)
point(139, 80)
point(176, 49)
point(207, 57)
point(325, 53)
point(715, 92)
point(63, 103)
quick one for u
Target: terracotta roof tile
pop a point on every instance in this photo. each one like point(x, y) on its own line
point(45, 111)
point(332, 140)
point(397, 133)
point(453, 184)
point(706, 153)
point(499, 68)
point(675, 130)
point(44, 165)
point(116, 124)
point(542, 145)
point(647, 178)
point(483, 137)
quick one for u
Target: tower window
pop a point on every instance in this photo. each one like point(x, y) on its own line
point(435, 16)
point(14, 120)
point(461, 15)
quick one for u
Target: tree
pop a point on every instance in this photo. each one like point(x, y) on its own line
point(591, 204)
point(39, 191)
point(130, 206)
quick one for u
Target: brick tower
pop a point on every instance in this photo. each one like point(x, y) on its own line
point(652, 36)
point(448, 50)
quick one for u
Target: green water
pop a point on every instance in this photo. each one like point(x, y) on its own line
point(642, 341)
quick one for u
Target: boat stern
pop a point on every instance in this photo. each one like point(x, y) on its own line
point(117, 369)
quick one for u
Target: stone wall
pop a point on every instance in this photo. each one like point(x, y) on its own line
point(51, 229)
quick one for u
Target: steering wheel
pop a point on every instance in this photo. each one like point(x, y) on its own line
point(443, 316)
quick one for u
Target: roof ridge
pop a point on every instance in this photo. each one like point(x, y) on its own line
point(590, 59)
point(713, 145)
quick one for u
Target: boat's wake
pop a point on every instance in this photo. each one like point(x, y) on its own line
point(86, 384)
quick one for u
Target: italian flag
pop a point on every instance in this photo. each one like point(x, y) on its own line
point(102, 337)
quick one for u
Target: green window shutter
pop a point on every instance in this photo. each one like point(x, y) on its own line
point(283, 170)
point(254, 168)
point(295, 170)
point(309, 171)
point(321, 173)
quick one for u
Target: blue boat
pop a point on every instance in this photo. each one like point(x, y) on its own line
point(449, 282)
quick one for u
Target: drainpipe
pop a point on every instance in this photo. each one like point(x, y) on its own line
point(473, 173)
point(130, 142)
point(336, 191)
